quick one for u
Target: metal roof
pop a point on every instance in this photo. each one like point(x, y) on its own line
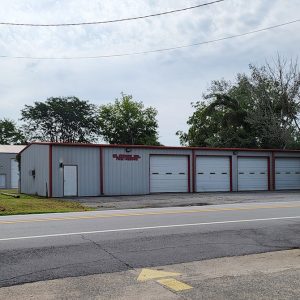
point(158, 147)
point(11, 148)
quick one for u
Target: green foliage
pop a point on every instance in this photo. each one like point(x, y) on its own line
point(128, 122)
point(28, 204)
point(275, 104)
point(62, 119)
point(260, 110)
point(10, 134)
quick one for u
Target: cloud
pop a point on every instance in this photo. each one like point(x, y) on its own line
point(168, 81)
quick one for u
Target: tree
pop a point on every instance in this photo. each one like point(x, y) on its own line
point(220, 121)
point(10, 134)
point(275, 102)
point(258, 110)
point(128, 122)
point(61, 119)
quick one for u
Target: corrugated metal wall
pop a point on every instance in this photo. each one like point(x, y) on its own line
point(36, 157)
point(123, 177)
point(287, 154)
point(5, 167)
point(130, 177)
point(120, 176)
point(88, 161)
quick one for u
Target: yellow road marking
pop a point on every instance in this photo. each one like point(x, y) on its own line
point(174, 284)
point(148, 274)
point(171, 283)
point(98, 216)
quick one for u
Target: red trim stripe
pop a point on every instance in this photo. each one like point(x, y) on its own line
point(50, 171)
point(189, 173)
point(194, 170)
point(273, 172)
point(230, 171)
point(101, 171)
point(269, 174)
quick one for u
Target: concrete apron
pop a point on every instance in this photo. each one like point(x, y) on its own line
point(173, 200)
point(274, 275)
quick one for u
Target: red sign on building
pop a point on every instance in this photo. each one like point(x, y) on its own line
point(126, 157)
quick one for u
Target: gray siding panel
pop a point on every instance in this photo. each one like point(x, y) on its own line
point(35, 157)
point(122, 177)
point(213, 152)
point(130, 177)
point(88, 161)
point(286, 154)
point(5, 159)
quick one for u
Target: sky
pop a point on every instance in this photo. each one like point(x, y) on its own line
point(168, 81)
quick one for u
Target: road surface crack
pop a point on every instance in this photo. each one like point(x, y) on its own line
point(109, 253)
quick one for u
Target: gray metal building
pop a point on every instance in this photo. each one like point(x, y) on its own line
point(62, 170)
point(9, 170)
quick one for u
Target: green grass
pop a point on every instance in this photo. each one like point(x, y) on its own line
point(27, 204)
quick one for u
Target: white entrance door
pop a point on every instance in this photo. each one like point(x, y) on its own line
point(252, 173)
point(168, 174)
point(2, 181)
point(213, 173)
point(70, 180)
point(287, 173)
point(14, 173)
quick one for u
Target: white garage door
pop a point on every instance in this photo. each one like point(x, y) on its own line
point(2, 181)
point(213, 174)
point(168, 174)
point(14, 182)
point(252, 174)
point(287, 173)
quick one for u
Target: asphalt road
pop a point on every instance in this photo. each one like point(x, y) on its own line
point(43, 247)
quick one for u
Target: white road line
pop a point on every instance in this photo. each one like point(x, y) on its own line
point(142, 228)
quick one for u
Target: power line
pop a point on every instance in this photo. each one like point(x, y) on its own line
point(113, 21)
point(155, 50)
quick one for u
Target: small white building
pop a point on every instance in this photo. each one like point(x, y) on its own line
point(62, 170)
point(9, 169)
